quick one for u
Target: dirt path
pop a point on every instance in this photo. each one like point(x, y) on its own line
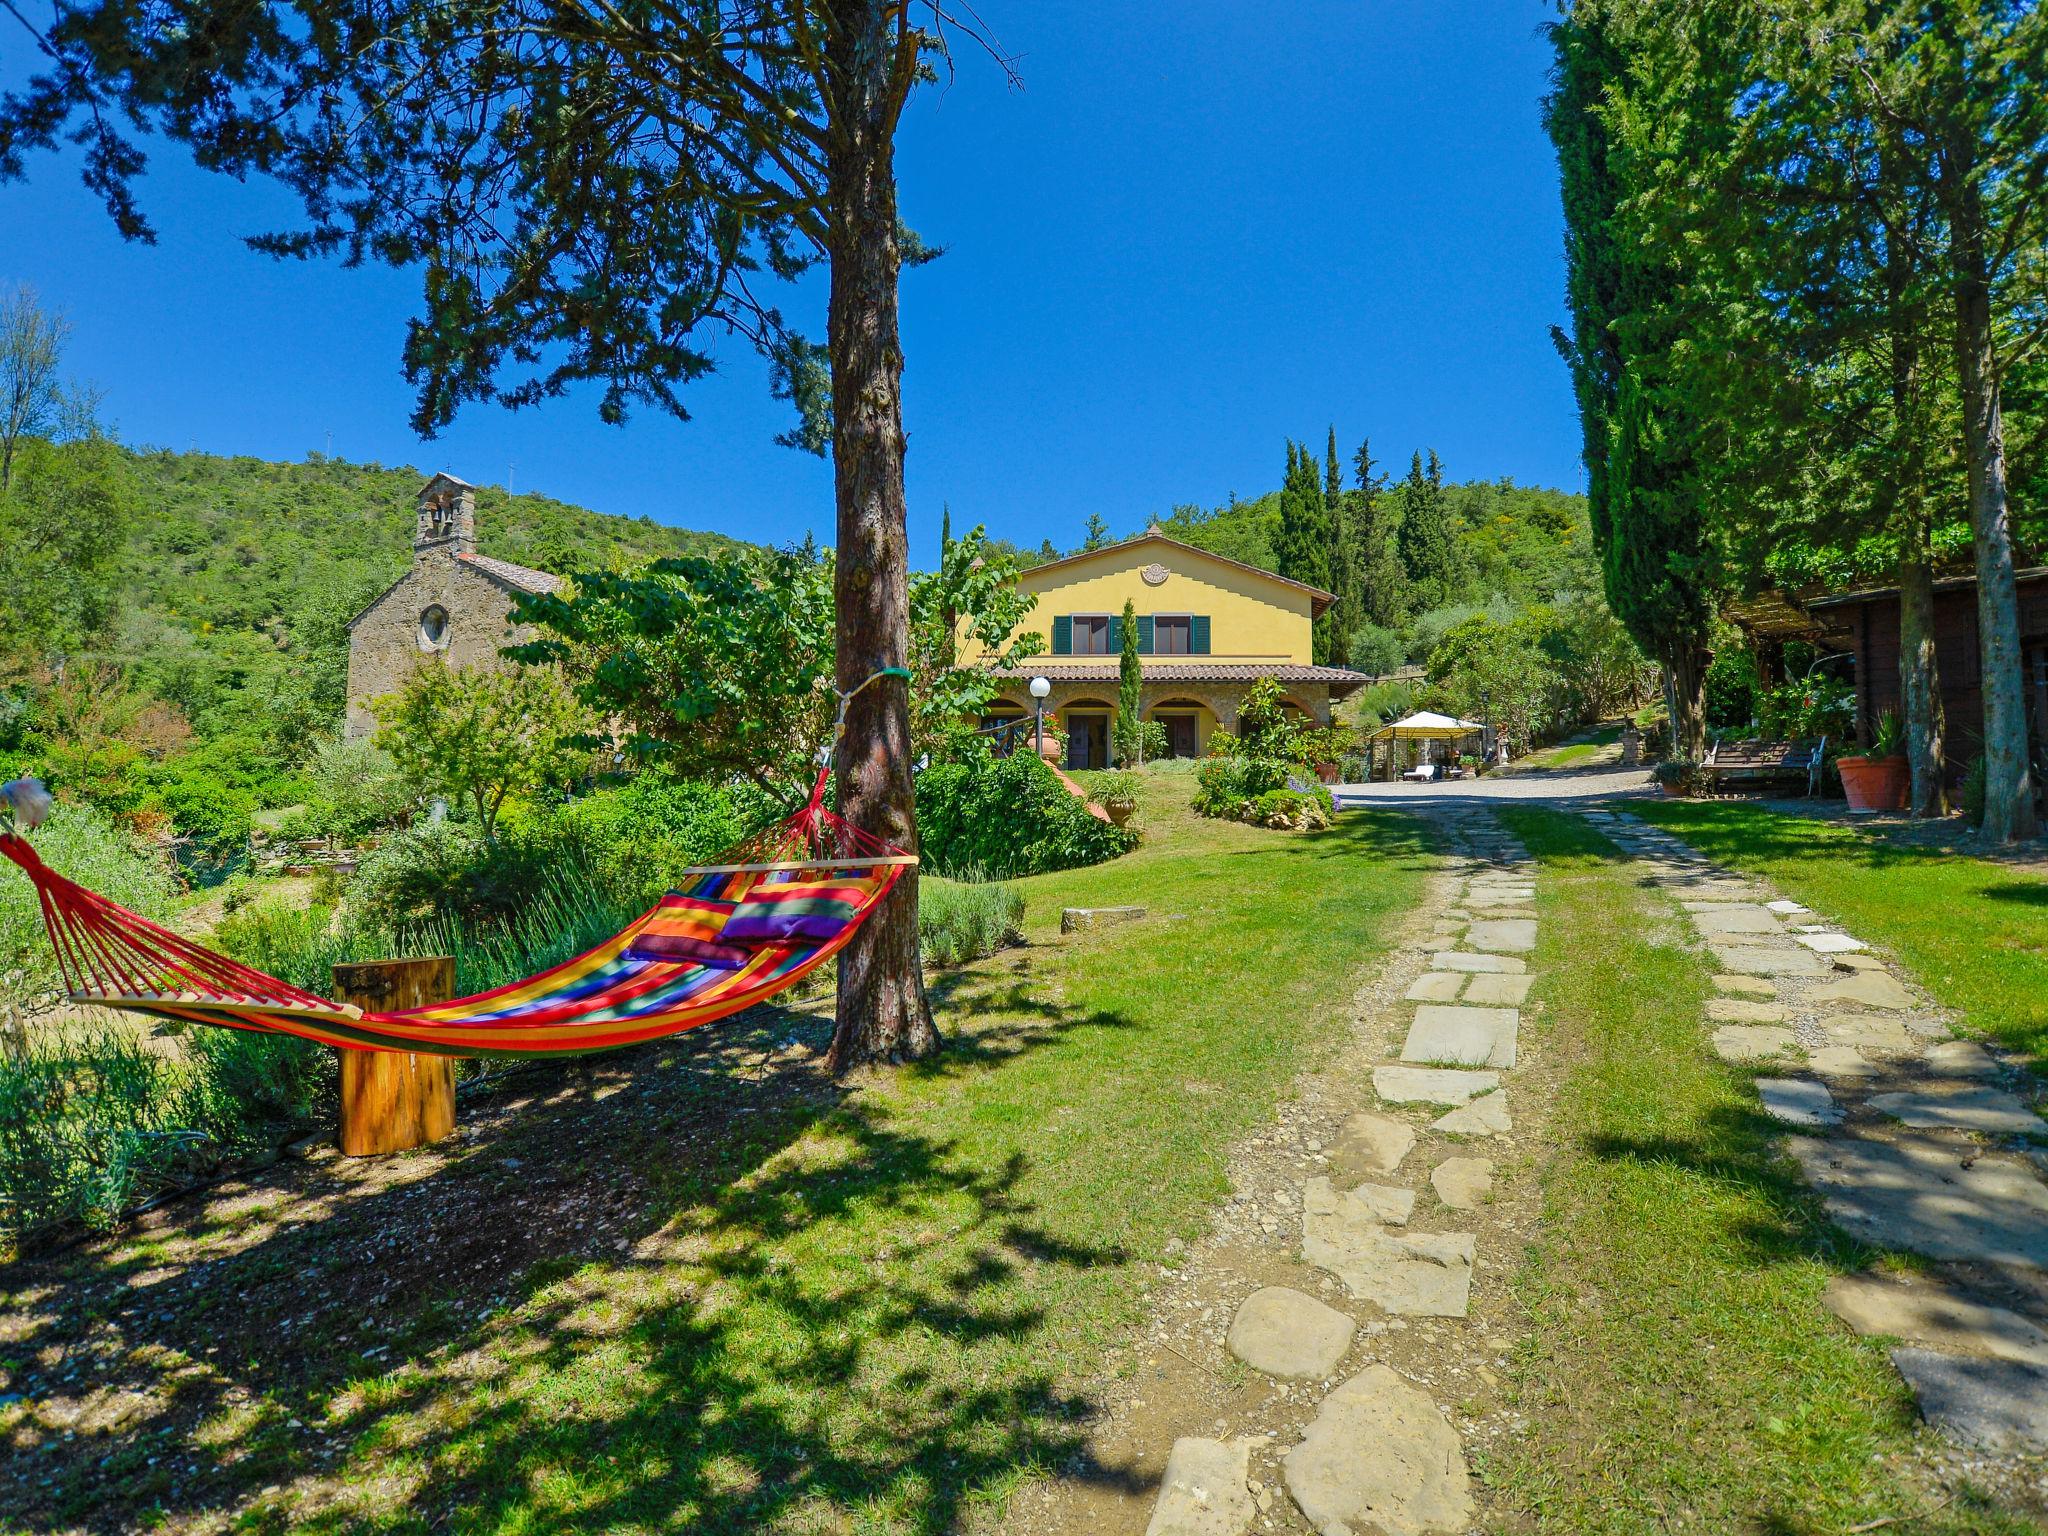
point(1331, 1354)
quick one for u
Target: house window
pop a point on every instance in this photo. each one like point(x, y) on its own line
point(434, 629)
point(1091, 634)
point(1171, 634)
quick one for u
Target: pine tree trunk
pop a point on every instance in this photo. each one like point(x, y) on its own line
point(2008, 782)
point(882, 1011)
point(1919, 663)
point(1685, 672)
point(1920, 680)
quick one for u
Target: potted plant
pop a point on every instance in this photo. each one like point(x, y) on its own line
point(1677, 776)
point(1878, 780)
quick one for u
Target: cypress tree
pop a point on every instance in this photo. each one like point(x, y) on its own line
point(1428, 546)
point(1130, 689)
point(1346, 611)
point(1382, 582)
point(1657, 550)
point(1302, 546)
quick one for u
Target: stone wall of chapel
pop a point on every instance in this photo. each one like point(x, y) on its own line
point(386, 643)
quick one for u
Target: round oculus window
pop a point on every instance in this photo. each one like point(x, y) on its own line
point(434, 629)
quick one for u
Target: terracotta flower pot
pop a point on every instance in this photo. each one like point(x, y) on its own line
point(1874, 783)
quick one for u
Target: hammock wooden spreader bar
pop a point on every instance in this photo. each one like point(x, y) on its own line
point(734, 934)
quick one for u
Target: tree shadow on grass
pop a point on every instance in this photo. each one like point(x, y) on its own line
point(2033, 893)
point(624, 1299)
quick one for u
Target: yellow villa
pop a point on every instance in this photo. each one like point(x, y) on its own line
point(1208, 628)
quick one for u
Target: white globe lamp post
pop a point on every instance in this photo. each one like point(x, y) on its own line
point(1040, 687)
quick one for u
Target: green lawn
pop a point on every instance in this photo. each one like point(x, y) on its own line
point(803, 1309)
point(1678, 1372)
point(1574, 753)
point(1973, 932)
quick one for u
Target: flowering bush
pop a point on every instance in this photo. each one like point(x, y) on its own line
point(1819, 706)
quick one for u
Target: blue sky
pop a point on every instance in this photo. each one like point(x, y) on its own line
point(1177, 245)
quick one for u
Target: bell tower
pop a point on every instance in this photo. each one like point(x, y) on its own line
point(446, 517)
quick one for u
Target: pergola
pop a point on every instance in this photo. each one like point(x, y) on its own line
point(1425, 725)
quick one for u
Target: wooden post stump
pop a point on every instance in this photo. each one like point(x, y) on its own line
point(392, 1100)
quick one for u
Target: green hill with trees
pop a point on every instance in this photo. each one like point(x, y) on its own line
point(184, 648)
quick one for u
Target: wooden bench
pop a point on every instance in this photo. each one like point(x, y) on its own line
point(1759, 764)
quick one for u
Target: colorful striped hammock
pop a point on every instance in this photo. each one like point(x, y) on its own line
point(735, 934)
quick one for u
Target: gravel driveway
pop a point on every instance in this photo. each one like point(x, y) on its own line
point(1562, 786)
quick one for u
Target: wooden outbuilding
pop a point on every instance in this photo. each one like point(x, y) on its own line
point(1862, 624)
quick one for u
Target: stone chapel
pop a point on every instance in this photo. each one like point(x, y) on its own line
point(454, 605)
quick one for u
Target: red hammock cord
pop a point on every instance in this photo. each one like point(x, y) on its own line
point(106, 951)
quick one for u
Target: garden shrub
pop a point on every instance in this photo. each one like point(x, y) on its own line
point(1006, 817)
point(430, 869)
point(1291, 810)
point(958, 920)
point(86, 1120)
point(354, 790)
point(1975, 791)
point(636, 837)
point(1224, 786)
point(1819, 706)
point(85, 846)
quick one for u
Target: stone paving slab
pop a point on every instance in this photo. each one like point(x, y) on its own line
point(1410, 1274)
point(1786, 908)
point(1843, 1063)
point(1458, 960)
point(1919, 1194)
point(1463, 1183)
point(1961, 1058)
point(1995, 1405)
point(1733, 918)
point(1289, 1335)
point(1961, 1107)
point(1204, 1492)
point(1745, 1010)
point(1436, 987)
point(1468, 1036)
point(1513, 934)
point(1746, 986)
point(1753, 1042)
point(1380, 1457)
point(1866, 989)
point(1493, 989)
point(1766, 960)
point(1368, 1145)
point(1929, 1312)
point(1486, 1115)
point(1378, 1204)
point(1432, 1085)
point(1831, 943)
point(1869, 1032)
point(1798, 1101)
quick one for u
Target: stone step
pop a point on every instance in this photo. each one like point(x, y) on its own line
point(1930, 1196)
point(1486, 1115)
point(1432, 1085)
point(1289, 1335)
point(1380, 1457)
point(1204, 1492)
point(1462, 1034)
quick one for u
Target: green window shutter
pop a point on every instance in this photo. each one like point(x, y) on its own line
point(1063, 635)
point(1116, 633)
point(1145, 634)
point(1198, 635)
